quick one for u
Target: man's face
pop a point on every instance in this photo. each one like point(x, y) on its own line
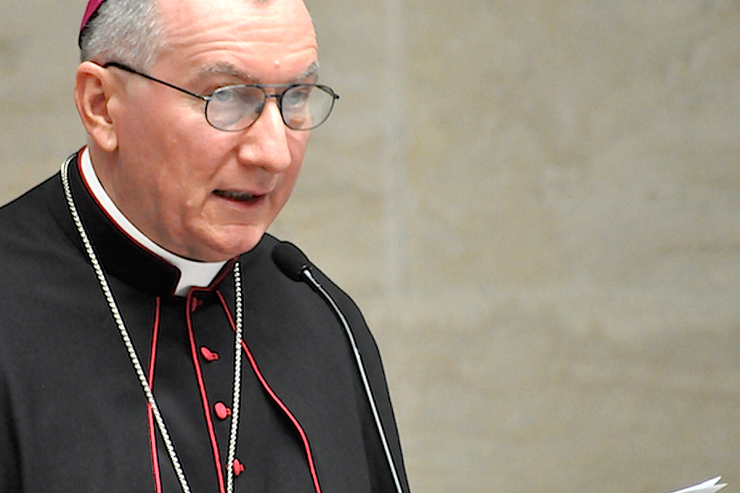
point(200, 192)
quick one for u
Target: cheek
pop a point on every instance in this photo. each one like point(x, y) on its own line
point(297, 152)
point(297, 144)
point(171, 180)
point(164, 125)
point(183, 161)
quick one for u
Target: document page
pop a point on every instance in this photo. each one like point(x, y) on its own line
point(708, 486)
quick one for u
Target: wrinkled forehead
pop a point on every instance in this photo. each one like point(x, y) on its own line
point(272, 41)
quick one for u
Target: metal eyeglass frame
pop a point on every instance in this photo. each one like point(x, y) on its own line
point(278, 97)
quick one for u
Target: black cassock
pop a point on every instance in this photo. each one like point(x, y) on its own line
point(73, 415)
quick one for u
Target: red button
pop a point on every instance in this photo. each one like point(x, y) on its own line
point(207, 354)
point(238, 467)
point(222, 411)
point(195, 303)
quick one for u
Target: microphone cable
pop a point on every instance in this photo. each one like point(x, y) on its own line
point(294, 264)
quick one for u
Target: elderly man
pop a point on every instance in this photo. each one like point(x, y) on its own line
point(152, 336)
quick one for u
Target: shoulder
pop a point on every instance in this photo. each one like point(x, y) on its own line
point(29, 222)
point(306, 295)
point(259, 267)
point(260, 260)
point(36, 253)
point(30, 204)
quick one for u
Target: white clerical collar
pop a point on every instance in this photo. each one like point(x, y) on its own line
point(192, 273)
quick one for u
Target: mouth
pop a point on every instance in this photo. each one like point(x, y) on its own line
point(244, 197)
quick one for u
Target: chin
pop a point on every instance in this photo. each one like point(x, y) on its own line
point(234, 246)
point(216, 244)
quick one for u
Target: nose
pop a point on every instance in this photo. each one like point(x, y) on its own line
point(266, 141)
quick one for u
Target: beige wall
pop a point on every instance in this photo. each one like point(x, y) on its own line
point(537, 204)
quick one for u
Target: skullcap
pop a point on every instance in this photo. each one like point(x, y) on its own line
point(92, 7)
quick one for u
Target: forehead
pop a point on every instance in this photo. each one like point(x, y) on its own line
point(225, 68)
point(244, 38)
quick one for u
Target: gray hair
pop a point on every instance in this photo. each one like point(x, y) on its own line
point(124, 31)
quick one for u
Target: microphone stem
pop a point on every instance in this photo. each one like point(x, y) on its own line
point(363, 375)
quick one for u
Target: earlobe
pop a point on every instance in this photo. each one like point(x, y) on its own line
point(92, 94)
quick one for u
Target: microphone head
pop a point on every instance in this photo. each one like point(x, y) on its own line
point(290, 260)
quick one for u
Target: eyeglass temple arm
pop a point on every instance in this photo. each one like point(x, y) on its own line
point(132, 71)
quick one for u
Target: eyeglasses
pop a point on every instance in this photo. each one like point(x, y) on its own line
point(235, 108)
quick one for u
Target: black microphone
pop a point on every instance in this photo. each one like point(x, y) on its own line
point(290, 260)
point(294, 264)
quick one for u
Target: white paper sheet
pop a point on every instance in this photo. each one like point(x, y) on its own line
point(708, 486)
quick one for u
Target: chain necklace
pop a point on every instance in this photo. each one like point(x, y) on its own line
point(102, 280)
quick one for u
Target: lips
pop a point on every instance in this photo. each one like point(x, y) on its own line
point(238, 196)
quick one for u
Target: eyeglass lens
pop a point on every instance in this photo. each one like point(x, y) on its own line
point(302, 107)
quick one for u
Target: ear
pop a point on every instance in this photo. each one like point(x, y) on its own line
point(94, 87)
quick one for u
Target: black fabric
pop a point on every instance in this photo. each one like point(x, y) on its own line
point(73, 417)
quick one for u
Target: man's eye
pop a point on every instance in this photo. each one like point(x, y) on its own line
point(296, 96)
point(223, 95)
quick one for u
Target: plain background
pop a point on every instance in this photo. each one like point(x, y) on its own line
point(537, 205)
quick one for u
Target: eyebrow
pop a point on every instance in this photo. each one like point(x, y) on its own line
point(226, 68)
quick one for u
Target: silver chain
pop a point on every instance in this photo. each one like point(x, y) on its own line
point(102, 280)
